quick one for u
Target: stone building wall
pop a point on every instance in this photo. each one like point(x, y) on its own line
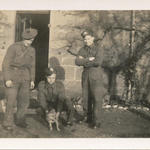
point(7, 32)
point(65, 29)
point(57, 50)
point(61, 34)
point(64, 32)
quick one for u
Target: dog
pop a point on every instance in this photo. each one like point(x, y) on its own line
point(51, 119)
point(78, 103)
point(79, 113)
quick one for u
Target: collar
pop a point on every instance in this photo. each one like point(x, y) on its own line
point(50, 85)
point(21, 43)
point(90, 47)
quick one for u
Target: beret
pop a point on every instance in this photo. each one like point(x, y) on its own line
point(49, 71)
point(29, 33)
point(85, 33)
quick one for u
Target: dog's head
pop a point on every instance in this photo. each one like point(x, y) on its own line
point(77, 103)
point(77, 100)
point(51, 115)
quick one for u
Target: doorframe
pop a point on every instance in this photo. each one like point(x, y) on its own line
point(42, 12)
point(34, 12)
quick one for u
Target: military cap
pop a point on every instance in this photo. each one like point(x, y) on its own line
point(85, 33)
point(29, 33)
point(49, 71)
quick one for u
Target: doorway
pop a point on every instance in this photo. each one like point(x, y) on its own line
point(38, 20)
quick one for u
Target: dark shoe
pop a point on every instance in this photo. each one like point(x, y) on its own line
point(7, 127)
point(87, 120)
point(21, 123)
point(95, 125)
point(41, 112)
point(69, 123)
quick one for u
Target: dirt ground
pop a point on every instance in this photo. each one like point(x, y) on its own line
point(117, 123)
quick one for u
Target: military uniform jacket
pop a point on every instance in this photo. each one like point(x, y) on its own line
point(52, 95)
point(19, 63)
point(91, 68)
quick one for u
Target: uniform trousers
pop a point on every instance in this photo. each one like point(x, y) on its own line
point(93, 92)
point(19, 92)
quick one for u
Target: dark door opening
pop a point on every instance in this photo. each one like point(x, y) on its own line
point(39, 21)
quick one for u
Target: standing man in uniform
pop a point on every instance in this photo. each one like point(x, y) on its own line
point(51, 95)
point(90, 58)
point(19, 73)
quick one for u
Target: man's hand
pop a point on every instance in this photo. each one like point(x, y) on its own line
point(9, 83)
point(46, 111)
point(91, 58)
point(80, 57)
point(32, 85)
point(68, 48)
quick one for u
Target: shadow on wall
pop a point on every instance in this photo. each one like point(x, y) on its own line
point(60, 71)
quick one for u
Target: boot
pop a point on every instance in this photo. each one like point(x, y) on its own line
point(21, 122)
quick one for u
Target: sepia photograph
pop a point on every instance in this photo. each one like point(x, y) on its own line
point(74, 74)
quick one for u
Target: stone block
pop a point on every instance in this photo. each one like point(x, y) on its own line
point(73, 88)
point(69, 72)
point(68, 61)
point(78, 73)
point(58, 44)
point(55, 60)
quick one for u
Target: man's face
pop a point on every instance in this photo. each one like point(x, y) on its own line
point(89, 40)
point(28, 42)
point(51, 79)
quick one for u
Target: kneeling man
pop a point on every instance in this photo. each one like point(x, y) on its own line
point(51, 95)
